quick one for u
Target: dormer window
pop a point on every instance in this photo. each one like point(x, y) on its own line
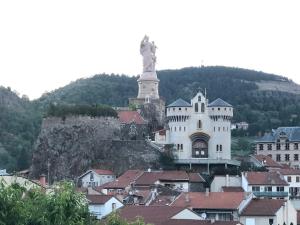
point(199, 98)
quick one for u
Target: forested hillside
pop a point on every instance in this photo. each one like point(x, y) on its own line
point(19, 126)
point(263, 109)
point(266, 101)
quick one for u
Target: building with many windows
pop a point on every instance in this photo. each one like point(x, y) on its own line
point(282, 145)
point(200, 131)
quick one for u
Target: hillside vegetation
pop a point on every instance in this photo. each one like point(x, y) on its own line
point(266, 101)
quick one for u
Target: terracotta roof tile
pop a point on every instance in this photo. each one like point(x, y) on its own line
point(131, 116)
point(198, 222)
point(289, 171)
point(267, 161)
point(263, 207)
point(122, 181)
point(103, 172)
point(150, 214)
point(265, 178)
point(195, 177)
point(211, 200)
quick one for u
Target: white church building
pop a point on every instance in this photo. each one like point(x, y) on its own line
point(199, 131)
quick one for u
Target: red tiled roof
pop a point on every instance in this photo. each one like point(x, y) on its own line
point(149, 178)
point(198, 222)
point(130, 116)
point(232, 189)
point(265, 178)
point(103, 172)
point(262, 207)
point(195, 177)
point(122, 181)
point(98, 199)
point(151, 214)
point(289, 171)
point(267, 161)
point(211, 200)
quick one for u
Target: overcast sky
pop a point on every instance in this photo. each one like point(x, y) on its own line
point(47, 44)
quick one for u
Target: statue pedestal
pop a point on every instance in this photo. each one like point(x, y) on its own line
point(150, 76)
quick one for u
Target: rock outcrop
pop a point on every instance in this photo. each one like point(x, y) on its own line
point(66, 148)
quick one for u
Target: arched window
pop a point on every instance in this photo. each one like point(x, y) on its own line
point(199, 124)
point(217, 148)
point(202, 107)
point(220, 148)
point(196, 107)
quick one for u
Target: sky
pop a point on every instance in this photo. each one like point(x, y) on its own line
point(45, 45)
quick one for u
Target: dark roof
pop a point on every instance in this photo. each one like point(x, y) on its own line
point(211, 200)
point(98, 199)
point(232, 189)
point(150, 214)
point(262, 207)
point(289, 171)
point(149, 178)
point(219, 103)
point(265, 178)
point(180, 103)
point(291, 133)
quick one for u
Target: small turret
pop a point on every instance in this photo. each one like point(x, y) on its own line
point(219, 109)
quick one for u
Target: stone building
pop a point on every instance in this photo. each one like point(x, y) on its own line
point(200, 131)
point(282, 145)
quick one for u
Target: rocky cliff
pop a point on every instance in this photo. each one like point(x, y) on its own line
point(66, 148)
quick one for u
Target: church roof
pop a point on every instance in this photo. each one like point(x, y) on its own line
point(180, 103)
point(219, 103)
point(128, 117)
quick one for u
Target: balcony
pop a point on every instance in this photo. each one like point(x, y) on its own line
point(271, 194)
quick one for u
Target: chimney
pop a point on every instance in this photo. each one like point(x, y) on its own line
point(206, 192)
point(43, 180)
point(187, 198)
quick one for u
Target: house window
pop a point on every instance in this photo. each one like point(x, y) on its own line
point(280, 189)
point(91, 176)
point(277, 146)
point(296, 157)
point(199, 98)
point(113, 206)
point(185, 109)
point(271, 221)
point(220, 148)
point(289, 179)
point(183, 128)
point(287, 157)
point(219, 109)
point(261, 147)
point(297, 179)
point(196, 107)
point(269, 146)
point(173, 109)
point(278, 158)
point(179, 109)
point(214, 129)
point(296, 146)
point(202, 107)
point(179, 128)
point(287, 146)
point(217, 148)
point(181, 146)
point(268, 189)
point(199, 124)
point(255, 188)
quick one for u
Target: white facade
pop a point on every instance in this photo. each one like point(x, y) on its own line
point(93, 179)
point(102, 210)
point(198, 129)
point(225, 181)
point(286, 214)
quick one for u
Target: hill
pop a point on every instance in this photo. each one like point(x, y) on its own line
point(19, 126)
point(264, 100)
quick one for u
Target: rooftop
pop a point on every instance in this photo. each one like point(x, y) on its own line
point(128, 117)
point(262, 207)
point(265, 178)
point(266, 161)
point(98, 199)
point(219, 103)
point(232, 189)
point(291, 133)
point(149, 178)
point(211, 200)
point(180, 103)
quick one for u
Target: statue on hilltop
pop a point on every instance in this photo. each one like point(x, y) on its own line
point(148, 50)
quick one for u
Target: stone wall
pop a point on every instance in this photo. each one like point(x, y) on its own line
point(67, 148)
